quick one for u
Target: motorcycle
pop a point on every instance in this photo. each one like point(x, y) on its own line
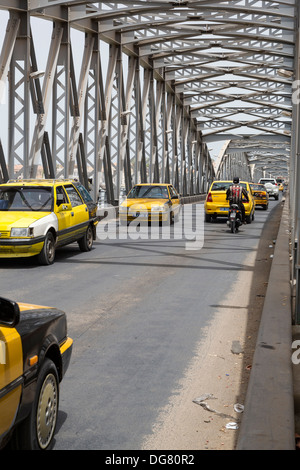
point(234, 218)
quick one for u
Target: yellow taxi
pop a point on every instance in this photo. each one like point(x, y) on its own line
point(150, 202)
point(35, 353)
point(215, 204)
point(38, 216)
point(260, 194)
point(280, 187)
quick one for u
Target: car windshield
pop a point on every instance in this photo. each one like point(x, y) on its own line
point(152, 192)
point(26, 199)
point(258, 187)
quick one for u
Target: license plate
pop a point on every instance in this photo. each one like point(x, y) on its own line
point(138, 214)
point(224, 208)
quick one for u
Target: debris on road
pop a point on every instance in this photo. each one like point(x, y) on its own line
point(200, 401)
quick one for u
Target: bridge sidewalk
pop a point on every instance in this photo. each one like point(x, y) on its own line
point(268, 422)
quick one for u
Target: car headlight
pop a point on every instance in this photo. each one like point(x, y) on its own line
point(156, 208)
point(161, 208)
point(21, 232)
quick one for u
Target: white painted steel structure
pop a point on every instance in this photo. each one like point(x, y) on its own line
point(159, 83)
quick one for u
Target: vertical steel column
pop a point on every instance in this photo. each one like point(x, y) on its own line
point(5, 60)
point(133, 128)
point(178, 148)
point(104, 150)
point(139, 133)
point(91, 120)
point(82, 90)
point(169, 138)
point(151, 130)
point(125, 121)
point(65, 104)
point(184, 159)
point(18, 32)
point(159, 131)
point(146, 127)
point(41, 120)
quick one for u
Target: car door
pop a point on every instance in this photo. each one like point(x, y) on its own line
point(251, 198)
point(175, 200)
point(79, 212)
point(63, 210)
point(11, 370)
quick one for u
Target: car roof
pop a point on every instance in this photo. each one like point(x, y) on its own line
point(227, 181)
point(153, 184)
point(37, 182)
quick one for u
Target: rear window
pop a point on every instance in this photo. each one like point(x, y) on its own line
point(224, 185)
point(267, 180)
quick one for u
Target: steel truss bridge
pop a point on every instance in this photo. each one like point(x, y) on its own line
point(143, 90)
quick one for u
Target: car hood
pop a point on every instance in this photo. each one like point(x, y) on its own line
point(19, 219)
point(143, 202)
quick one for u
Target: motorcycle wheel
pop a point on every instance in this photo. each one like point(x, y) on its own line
point(232, 226)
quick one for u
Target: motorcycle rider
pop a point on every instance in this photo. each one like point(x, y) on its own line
point(234, 196)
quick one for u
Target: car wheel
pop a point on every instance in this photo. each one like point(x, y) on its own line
point(36, 432)
point(207, 217)
point(86, 242)
point(47, 254)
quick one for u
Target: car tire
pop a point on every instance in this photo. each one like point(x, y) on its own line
point(86, 242)
point(207, 217)
point(37, 431)
point(47, 255)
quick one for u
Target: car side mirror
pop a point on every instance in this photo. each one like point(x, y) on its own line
point(174, 197)
point(9, 313)
point(64, 207)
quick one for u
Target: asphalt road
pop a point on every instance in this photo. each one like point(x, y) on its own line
point(136, 310)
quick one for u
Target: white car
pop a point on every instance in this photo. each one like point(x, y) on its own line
point(271, 187)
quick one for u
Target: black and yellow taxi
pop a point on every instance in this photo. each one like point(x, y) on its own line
point(216, 205)
point(38, 216)
point(260, 194)
point(35, 352)
point(150, 202)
